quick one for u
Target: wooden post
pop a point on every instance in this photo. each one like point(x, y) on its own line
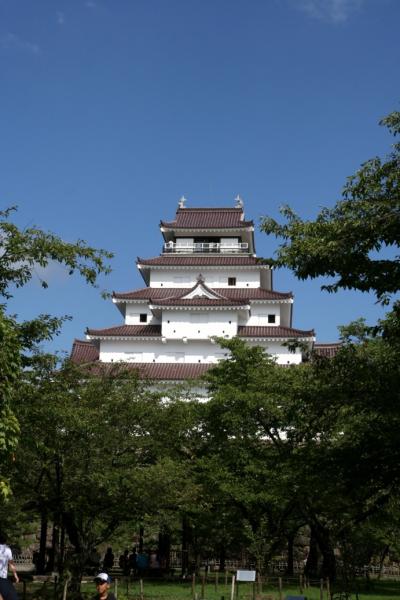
point(24, 590)
point(328, 589)
point(64, 597)
point(321, 589)
point(280, 587)
point(116, 588)
point(203, 585)
point(193, 585)
point(301, 583)
point(216, 580)
point(233, 588)
point(141, 589)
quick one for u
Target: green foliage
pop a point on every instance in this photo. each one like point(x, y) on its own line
point(350, 242)
point(21, 251)
point(96, 451)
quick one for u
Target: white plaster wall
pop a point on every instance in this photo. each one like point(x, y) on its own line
point(133, 312)
point(149, 351)
point(284, 357)
point(177, 351)
point(217, 278)
point(198, 324)
point(285, 314)
point(259, 315)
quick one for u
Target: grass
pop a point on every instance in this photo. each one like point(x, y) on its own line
point(183, 590)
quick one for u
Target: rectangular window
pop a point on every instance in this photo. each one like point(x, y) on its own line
point(271, 318)
point(231, 280)
point(143, 317)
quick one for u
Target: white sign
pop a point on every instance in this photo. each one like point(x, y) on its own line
point(245, 575)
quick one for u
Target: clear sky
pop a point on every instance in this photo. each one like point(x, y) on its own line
point(112, 109)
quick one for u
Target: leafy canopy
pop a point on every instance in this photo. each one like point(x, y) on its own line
point(354, 241)
point(21, 251)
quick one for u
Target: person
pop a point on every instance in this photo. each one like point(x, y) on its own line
point(124, 562)
point(7, 590)
point(103, 581)
point(132, 561)
point(108, 560)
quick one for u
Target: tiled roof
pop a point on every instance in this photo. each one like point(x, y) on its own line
point(272, 332)
point(171, 371)
point(155, 371)
point(327, 350)
point(198, 301)
point(230, 292)
point(127, 331)
point(208, 218)
point(84, 352)
point(169, 260)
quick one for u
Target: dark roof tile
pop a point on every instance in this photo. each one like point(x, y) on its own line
point(169, 260)
point(208, 218)
point(327, 350)
point(84, 352)
point(273, 332)
point(230, 292)
point(127, 331)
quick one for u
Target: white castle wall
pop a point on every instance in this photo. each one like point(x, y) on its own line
point(259, 315)
point(171, 352)
point(176, 351)
point(214, 279)
point(198, 324)
point(133, 312)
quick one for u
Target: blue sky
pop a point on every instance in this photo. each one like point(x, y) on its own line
point(111, 110)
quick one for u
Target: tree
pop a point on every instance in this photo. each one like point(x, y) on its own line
point(95, 452)
point(351, 241)
point(20, 252)
point(312, 444)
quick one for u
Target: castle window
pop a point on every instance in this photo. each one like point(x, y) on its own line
point(231, 280)
point(271, 318)
point(143, 317)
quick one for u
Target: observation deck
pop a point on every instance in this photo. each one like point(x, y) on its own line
point(206, 248)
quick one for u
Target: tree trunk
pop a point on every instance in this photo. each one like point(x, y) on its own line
point(185, 548)
point(311, 566)
point(328, 568)
point(41, 562)
point(290, 544)
point(141, 539)
point(222, 558)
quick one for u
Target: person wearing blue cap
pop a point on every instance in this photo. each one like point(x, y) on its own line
point(102, 581)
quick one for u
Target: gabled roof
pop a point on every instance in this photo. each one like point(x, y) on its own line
point(273, 332)
point(200, 289)
point(208, 218)
point(127, 331)
point(171, 260)
point(84, 352)
point(234, 293)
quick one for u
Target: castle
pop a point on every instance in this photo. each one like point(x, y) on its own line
point(207, 282)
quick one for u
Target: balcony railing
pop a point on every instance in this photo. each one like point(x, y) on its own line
point(206, 247)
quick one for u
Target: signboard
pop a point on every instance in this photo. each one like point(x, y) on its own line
point(245, 575)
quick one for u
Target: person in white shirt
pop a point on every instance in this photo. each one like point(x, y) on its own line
point(7, 590)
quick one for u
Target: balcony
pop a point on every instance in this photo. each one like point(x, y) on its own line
point(206, 248)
